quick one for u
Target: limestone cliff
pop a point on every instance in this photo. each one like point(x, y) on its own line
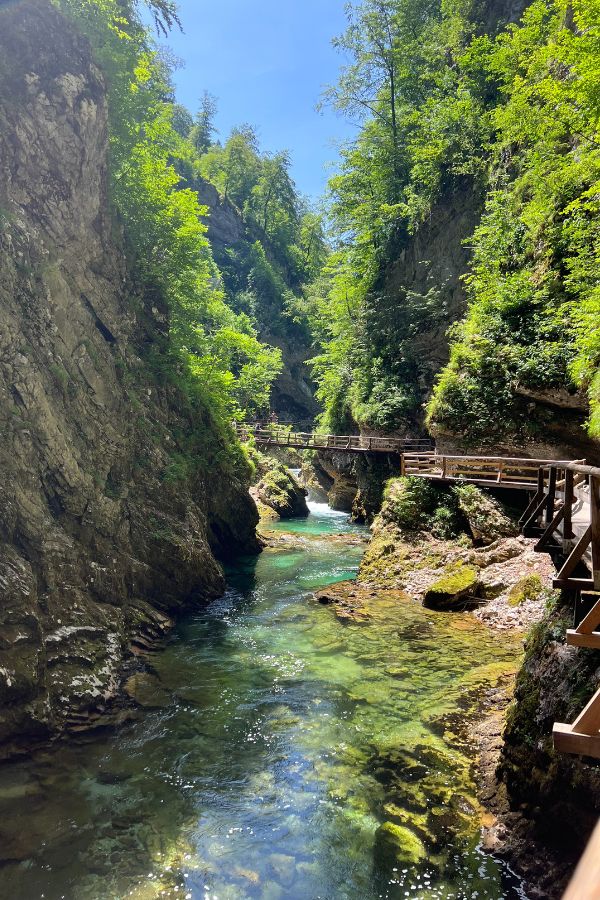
point(102, 536)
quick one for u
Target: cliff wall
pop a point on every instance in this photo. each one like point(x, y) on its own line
point(102, 537)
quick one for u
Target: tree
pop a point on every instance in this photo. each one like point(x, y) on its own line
point(384, 40)
point(235, 168)
point(182, 120)
point(201, 134)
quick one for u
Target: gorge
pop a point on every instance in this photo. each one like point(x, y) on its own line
point(208, 687)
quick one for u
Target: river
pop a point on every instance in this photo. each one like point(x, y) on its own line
point(257, 767)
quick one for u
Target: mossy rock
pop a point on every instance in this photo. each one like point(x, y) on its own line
point(485, 516)
point(528, 588)
point(397, 845)
point(459, 588)
point(280, 491)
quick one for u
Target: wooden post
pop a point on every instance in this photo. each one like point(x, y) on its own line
point(569, 498)
point(402, 466)
point(595, 517)
point(588, 721)
point(551, 495)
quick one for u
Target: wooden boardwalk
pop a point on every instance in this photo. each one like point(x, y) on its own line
point(283, 436)
point(563, 513)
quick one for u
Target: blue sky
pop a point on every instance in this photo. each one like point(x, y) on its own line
point(267, 62)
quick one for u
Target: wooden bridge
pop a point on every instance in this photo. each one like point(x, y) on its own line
point(563, 513)
point(283, 436)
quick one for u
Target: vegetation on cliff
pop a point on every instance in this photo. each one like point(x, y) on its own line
point(453, 103)
point(212, 352)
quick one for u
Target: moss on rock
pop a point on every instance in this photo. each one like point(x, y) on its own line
point(278, 492)
point(397, 844)
point(528, 588)
point(458, 588)
point(486, 519)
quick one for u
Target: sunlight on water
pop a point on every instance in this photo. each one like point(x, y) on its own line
point(273, 743)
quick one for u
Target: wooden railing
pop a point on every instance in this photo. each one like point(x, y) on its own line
point(585, 884)
point(489, 471)
point(282, 436)
point(564, 513)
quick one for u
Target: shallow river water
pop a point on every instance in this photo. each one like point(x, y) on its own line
point(260, 765)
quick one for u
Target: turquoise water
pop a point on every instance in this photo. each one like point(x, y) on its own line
point(273, 743)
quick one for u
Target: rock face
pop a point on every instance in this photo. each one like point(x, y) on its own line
point(435, 258)
point(100, 538)
point(541, 790)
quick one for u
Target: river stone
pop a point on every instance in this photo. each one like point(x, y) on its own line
point(284, 868)
point(397, 845)
point(147, 690)
point(457, 589)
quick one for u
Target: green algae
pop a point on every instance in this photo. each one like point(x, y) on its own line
point(398, 844)
point(283, 745)
point(528, 588)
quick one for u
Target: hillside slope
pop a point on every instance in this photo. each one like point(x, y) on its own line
point(231, 240)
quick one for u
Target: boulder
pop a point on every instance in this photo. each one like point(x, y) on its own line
point(459, 588)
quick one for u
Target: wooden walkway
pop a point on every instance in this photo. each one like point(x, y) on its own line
point(283, 436)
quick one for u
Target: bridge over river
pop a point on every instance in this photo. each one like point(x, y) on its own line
point(563, 513)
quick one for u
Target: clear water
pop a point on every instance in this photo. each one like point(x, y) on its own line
point(250, 772)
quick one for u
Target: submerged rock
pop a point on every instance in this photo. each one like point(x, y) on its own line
point(147, 690)
point(284, 868)
point(397, 845)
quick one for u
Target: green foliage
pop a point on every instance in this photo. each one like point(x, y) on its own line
point(423, 123)
point(283, 248)
point(212, 353)
point(414, 504)
point(533, 319)
point(517, 115)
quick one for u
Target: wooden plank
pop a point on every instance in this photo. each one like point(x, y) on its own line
point(588, 720)
point(576, 555)
point(550, 530)
point(551, 496)
point(569, 500)
point(568, 741)
point(573, 584)
point(585, 884)
point(532, 520)
point(576, 639)
point(535, 499)
point(591, 620)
